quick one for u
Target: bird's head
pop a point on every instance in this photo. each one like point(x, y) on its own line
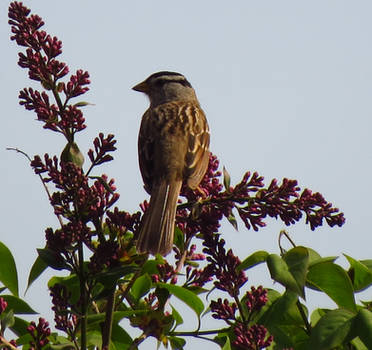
point(163, 87)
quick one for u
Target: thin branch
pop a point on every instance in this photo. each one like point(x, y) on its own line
point(83, 298)
point(304, 318)
point(138, 341)
point(3, 341)
point(198, 333)
point(285, 233)
point(107, 326)
point(41, 178)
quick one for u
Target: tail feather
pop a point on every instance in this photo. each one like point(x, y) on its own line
point(156, 232)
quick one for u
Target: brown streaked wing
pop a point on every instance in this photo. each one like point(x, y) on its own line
point(146, 150)
point(197, 156)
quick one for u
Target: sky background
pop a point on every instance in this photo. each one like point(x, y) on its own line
point(286, 87)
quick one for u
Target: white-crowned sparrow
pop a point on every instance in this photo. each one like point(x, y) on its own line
point(173, 147)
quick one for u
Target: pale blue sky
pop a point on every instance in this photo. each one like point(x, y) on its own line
point(286, 86)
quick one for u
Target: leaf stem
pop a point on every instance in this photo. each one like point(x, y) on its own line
point(304, 318)
point(83, 298)
point(41, 178)
point(198, 333)
point(107, 326)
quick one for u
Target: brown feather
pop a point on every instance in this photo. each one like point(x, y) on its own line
point(156, 233)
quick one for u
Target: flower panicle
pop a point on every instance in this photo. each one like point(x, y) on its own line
point(251, 338)
point(39, 333)
point(64, 317)
point(39, 58)
point(102, 146)
point(224, 265)
point(254, 203)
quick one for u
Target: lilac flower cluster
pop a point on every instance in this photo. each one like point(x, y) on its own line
point(102, 146)
point(224, 265)
point(195, 218)
point(253, 202)
point(246, 336)
point(40, 60)
point(106, 255)
point(223, 310)
point(251, 338)
point(166, 273)
point(256, 298)
point(39, 333)
point(77, 201)
point(64, 318)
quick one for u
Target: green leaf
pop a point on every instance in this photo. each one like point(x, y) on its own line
point(367, 262)
point(118, 316)
point(8, 270)
point(121, 339)
point(358, 344)
point(359, 273)
point(313, 255)
point(331, 330)
point(297, 260)
point(177, 343)
point(334, 281)
point(71, 283)
point(141, 286)
point(227, 345)
point(197, 290)
point(179, 239)
point(283, 320)
point(19, 327)
point(223, 340)
point(103, 183)
point(322, 260)
point(282, 311)
point(254, 259)
point(71, 153)
point(189, 298)
point(279, 271)
point(94, 338)
point(68, 345)
point(363, 327)
point(151, 266)
point(24, 339)
point(110, 277)
point(232, 220)
point(226, 179)
point(83, 104)
point(6, 319)
point(176, 316)
point(37, 269)
point(18, 305)
point(52, 259)
point(316, 315)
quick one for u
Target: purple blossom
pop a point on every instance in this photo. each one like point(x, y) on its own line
point(39, 333)
point(102, 146)
point(63, 317)
point(40, 60)
point(224, 265)
point(223, 310)
point(256, 298)
point(252, 338)
point(3, 305)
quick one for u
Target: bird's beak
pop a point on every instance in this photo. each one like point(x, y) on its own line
point(141, 87)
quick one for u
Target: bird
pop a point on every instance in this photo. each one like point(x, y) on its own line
point(173, 148)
